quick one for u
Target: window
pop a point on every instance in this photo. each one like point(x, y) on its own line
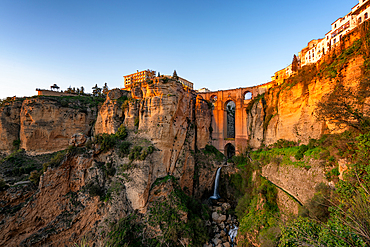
point(335, 25)
point(359, 20)
point(366, 16)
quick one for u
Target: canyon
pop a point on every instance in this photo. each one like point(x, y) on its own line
point(79, 168)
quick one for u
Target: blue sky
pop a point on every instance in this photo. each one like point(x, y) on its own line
point(215, 44)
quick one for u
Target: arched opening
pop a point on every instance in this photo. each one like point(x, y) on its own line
point(248, 95)
point(229, 151)
point(230, 119)
point(213, 98)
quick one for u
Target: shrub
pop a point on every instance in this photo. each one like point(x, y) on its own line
point(124, 149)
point(332, 174)
point(135, 153)
point(209, 149)
point(16, 144)
point(282, 143)
point(106, 141)
point(269, 192)
point(122, 99)
point(54, 161)
point(318, 206)
point(94, 190)
point(151, 149)
point(125, 232)
point(312, 144)
point(35, 177)
point(121, 132)
point(302, 149)
point(143, 155)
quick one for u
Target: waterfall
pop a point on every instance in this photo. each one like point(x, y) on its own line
point(216, 196)
point(233, 232)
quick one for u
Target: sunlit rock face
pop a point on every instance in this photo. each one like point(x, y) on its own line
point(176, 121)
point(110, 115)
point(47, 126)
point(9, 125)
point(290, 110)
point(166, 116)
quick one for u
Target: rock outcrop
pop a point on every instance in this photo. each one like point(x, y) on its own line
point(87, 191)
point(9, 125)
point(47, 126)
point(288, 112)
point(299, 182)
point(110, 115)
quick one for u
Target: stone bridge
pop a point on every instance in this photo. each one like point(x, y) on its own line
point(229, 120)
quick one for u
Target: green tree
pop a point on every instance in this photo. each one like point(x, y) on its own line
point(69, 90)
point(344, 107)
point(96, 91)
point(105, 89)
point(174, 75)
point(295, 63)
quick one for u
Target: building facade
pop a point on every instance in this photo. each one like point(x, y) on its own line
point(186, 83)
point(143, 76)
point(317, 48)
point(139, 76)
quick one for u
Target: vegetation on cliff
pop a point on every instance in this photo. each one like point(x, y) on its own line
point(336, 215)
point(330, 218)
point(173, 218)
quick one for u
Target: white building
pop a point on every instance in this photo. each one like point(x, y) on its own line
point(317, 48)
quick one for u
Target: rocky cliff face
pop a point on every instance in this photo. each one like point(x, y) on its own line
point(46, 126)
point(110, 115)
point(165, 151)
point(287, 111)
point(88, 190)
point(9, 125)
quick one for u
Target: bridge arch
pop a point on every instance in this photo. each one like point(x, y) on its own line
point(229, 151)
point(248, 95)
point(234, 130)
point(229, 113)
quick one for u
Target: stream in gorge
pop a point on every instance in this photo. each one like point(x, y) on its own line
point(224, 226)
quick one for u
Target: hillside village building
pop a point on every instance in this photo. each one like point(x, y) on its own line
point(137, 77)
point(339, 28)
point(142, 76)
point(316, 48)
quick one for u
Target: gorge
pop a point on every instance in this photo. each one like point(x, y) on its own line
point(138, 167)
